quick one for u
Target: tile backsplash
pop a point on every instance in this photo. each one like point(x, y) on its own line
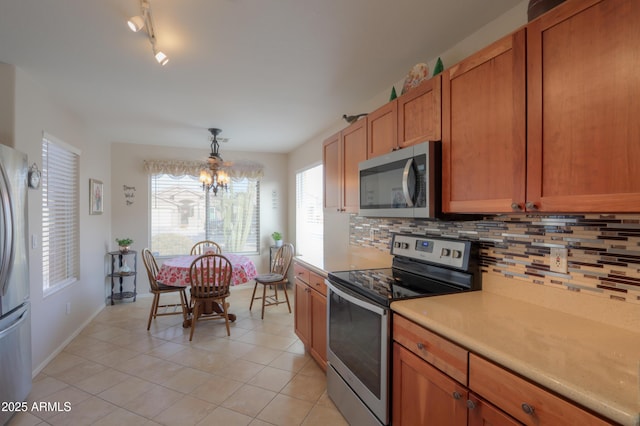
point(603, 250)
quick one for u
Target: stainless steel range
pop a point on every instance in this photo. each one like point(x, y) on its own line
point(359, 320)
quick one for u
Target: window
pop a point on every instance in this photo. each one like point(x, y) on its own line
point(60, 214)
point(183, 214)
point(309, 219)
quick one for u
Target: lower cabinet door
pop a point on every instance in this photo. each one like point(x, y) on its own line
point(319, 328)
point(481, 413)
point(422, 395)
point(302, 317)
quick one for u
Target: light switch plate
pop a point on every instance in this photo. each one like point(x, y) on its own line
point(558, 260)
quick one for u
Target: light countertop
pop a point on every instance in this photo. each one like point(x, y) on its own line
point(594, 364)
point(355, 258)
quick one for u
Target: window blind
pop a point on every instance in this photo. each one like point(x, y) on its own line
point(309, 213)
point(60, 215)
point(183, 214)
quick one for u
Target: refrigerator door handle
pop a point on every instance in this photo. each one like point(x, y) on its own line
point(8, 250)
point(22, 318)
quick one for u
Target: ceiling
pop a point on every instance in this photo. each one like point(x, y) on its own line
point(271, 73)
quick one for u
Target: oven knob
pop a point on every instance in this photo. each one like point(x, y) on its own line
point(445, 252)
point(396, 244)
point(405, 246)
point(456, 254)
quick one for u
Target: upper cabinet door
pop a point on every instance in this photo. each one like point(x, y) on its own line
point(354, 150)
point(331, 160)
point(484, 130)
point(584, 107)
point(382, 134)
point(419, 117)
point(341, 154)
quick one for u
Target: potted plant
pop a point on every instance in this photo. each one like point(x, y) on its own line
point(124, 244)
point(277, 237)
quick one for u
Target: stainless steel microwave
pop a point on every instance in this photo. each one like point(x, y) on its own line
point(403, 183)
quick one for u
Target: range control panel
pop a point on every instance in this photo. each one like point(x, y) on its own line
point(441, 251)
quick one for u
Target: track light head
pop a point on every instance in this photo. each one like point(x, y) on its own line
point(161, 58)
point(136, 23)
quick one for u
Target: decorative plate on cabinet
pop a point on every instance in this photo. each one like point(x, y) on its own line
point(418, 73)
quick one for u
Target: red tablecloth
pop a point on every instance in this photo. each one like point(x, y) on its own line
point(175, 271)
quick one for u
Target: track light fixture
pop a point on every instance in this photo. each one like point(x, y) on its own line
point(138, 22)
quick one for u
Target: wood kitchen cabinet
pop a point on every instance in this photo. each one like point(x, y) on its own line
point(482, 413)
point(302, 319)
point(421, 391)
point(484, 129)
point(423, 395)
point(419, 113)
point(523, 400)
point(436, 381)
point(382, 132)
point(560, 137)
point(311, 313)
point(407, 120)
point(583, 108)
point(341, 154)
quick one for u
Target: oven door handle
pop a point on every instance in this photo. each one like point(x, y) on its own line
point(355, 300)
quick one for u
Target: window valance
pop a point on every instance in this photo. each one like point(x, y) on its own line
point(236, 169)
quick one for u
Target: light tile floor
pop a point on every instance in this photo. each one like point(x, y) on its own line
point(115, 372)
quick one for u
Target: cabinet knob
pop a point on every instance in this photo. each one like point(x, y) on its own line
point(531, 206)
point(516, 207)
point(470, 404)
point(528, 409)
point(420, 346)
point(456, 395)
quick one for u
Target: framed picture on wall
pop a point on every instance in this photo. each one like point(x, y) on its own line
point(96, 192)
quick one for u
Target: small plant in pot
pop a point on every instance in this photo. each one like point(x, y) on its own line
point(124, 244)
point(277, 237)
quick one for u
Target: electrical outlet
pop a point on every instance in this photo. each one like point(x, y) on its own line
point(559, 260)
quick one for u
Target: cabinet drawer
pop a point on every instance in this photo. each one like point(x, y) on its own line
point(317, 283)
point(301, 273)
point(522, 399)
point(441, 353)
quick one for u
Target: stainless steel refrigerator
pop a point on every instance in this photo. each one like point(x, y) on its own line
point(15, 311)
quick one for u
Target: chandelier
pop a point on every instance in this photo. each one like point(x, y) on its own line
point(214, 177)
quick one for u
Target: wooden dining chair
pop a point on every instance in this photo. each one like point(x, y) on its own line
point(201, 247)
point(158, 289)
point(210, 276)
point(274, 279)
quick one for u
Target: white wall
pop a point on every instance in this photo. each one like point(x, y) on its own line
point(7, 101)
point(51, 326)
point(337, 235)
point(132, 220)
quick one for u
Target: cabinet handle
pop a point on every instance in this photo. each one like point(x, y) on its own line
point(470, 404)
point(528, 409)
point(420, 346)
point(516, 207)
point(456, 395)
point(531, 206)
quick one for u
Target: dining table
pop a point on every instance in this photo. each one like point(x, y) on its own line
point(175, 272)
